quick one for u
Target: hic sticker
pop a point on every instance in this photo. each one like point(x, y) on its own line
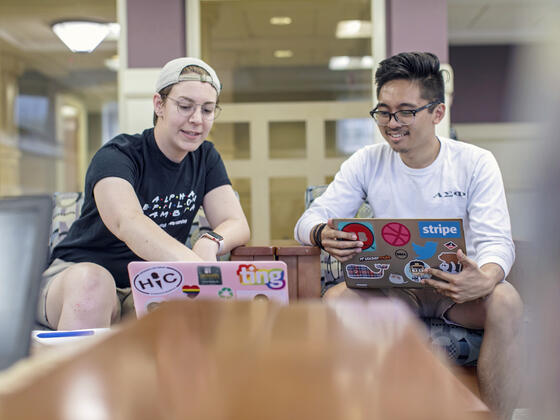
point(157, 280)
point(439, 229)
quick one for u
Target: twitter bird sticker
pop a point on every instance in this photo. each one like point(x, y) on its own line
point(426, 251)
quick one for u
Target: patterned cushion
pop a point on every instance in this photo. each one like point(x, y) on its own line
point(461, 345)
point(67, 207)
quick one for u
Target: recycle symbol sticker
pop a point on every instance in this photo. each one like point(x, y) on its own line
point(225, 293)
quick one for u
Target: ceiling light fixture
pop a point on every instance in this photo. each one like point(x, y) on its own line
point(351, 63)
point(280, 20)
point(353, 29)
point(283, 53)
point(81, 35)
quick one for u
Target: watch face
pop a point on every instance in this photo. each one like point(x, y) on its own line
point(215, 235)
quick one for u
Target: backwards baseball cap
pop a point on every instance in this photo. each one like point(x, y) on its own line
point(171, 73)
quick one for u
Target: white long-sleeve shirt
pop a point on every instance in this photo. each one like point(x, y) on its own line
point(463, 182)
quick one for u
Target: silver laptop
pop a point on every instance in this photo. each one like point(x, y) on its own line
point(396, 251)
point(24, 236)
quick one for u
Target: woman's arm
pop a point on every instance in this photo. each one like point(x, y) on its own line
point(122, 214)
point(225, 215)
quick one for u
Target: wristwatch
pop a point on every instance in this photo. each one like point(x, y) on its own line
point(213, 236)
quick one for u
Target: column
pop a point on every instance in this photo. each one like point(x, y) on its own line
point(10, 69)
point(421, 25)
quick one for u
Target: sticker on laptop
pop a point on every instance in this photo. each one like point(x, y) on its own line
point(397, 279)
point(450, 262)
point(360, 271)
point(450, 245)
point(153, 305)
point(249, 275)
point(225, 293)
point(364, 232)
point(401, 254)
point(395, 234)
point(426, 251)
point(439, 229)
point(157, 280)
point(191, 291)
point(209, 275)
point(414, 270)
point(255, 295)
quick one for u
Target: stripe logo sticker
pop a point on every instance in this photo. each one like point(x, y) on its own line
point(439, 229)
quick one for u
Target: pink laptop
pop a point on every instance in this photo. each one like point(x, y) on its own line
point(154, 282)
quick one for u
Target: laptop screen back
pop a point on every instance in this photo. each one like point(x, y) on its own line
point(24, 232)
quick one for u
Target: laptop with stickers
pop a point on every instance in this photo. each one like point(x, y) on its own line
point(396, 251)
point(156, 282)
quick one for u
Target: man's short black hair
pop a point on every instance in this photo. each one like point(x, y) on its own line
point(420, 67)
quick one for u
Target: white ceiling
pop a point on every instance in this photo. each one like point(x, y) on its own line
point(240, 31)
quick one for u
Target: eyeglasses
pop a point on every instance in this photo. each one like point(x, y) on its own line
point(186, 108)
point(403, 117)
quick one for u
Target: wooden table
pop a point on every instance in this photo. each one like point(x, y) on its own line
point(252, 360)
point(303, 262)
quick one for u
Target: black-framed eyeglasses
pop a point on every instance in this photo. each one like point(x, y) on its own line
point(403, 117)
point(186, 108)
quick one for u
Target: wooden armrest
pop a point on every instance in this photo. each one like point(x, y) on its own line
point(253, 253)
point(298, 250)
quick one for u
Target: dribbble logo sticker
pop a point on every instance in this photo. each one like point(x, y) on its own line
point(157, 280)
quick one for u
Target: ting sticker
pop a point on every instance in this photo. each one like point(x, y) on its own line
point(250, 275)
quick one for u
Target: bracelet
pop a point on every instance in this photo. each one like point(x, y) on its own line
point(314, 233)
point(317, 236)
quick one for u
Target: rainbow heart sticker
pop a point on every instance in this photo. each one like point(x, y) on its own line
point(191, 291)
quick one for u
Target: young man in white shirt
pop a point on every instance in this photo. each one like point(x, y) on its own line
point(416, 174)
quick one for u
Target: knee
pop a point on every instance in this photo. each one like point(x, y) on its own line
point(504, 306)
point(335, 292)
point(89, 282)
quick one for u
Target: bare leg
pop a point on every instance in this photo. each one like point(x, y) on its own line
point(82, 296)
point(341, 291)
point(499, 362)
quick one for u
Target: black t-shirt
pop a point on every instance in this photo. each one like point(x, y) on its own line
point(170, 194)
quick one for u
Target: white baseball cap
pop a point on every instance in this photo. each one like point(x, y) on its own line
point(171, 73)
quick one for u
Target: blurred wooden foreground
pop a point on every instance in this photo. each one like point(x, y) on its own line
point(251, 360)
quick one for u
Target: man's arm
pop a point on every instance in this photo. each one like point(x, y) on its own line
point(341, 245)
point(225, 215)
point(471, 283)
point(122, 214)
point(490, 227)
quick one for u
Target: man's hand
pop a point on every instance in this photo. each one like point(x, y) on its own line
point(341, 245)
point(470, 284)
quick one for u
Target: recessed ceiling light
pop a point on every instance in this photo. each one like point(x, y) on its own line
point(350, 63)
point(353, 29)
point(283, 53)
point(81, 35)
point(280, 20)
